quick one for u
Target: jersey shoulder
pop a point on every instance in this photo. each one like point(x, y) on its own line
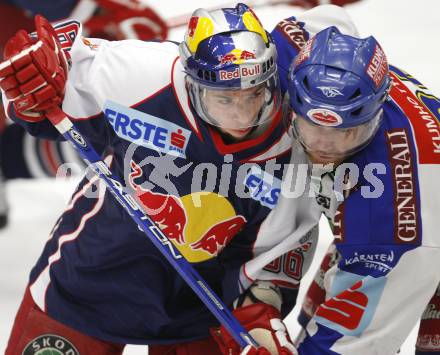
point(412, 104)
point(126, 72)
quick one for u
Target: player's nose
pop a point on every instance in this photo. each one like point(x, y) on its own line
point(241, 115)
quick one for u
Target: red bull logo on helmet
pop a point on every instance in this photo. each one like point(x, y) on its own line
point(253, 24)
point(324, 117)
point(236, 56)
point(199, 28)
point(240, 72)
point(192, 25)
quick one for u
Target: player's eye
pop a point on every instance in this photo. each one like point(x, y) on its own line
point(260, 92)
point(223, 100)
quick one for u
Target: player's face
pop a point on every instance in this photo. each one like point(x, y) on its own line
point(326, 145)
point(235, 111)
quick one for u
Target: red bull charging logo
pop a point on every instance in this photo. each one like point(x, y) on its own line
point(236, 56)
point(200, 231)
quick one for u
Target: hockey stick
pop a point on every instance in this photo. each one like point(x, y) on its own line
point(113, 183)
point(182, 20)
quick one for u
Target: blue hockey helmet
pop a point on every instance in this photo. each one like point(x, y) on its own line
point(228, 55)
point(340, 82)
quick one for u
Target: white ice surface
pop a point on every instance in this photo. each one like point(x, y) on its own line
point(409, 32)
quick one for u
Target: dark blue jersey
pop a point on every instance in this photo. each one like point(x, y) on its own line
point(98, 273)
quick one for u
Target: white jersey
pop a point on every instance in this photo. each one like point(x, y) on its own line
point(383, 211)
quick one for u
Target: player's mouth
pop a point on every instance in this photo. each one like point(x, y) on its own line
point(324, 158)
point(240, 132)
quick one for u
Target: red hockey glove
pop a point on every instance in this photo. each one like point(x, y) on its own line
point(311, 3)
point(127, 19)
point(34, 73)
point(264, 324)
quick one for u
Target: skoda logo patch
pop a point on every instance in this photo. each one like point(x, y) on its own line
point(77, 137)
point(50, 344)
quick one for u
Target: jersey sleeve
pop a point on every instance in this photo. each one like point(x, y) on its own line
point(69, 33)
point(123, 72)
point(287, 238)
point(291, 34)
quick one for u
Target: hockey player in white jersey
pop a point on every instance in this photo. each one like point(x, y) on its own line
point(374, 130)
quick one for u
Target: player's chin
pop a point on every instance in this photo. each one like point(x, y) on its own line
point(323, 158)
point(237, 133)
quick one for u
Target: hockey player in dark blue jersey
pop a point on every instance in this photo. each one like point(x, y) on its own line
point(353, 115)
point(190, 128)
